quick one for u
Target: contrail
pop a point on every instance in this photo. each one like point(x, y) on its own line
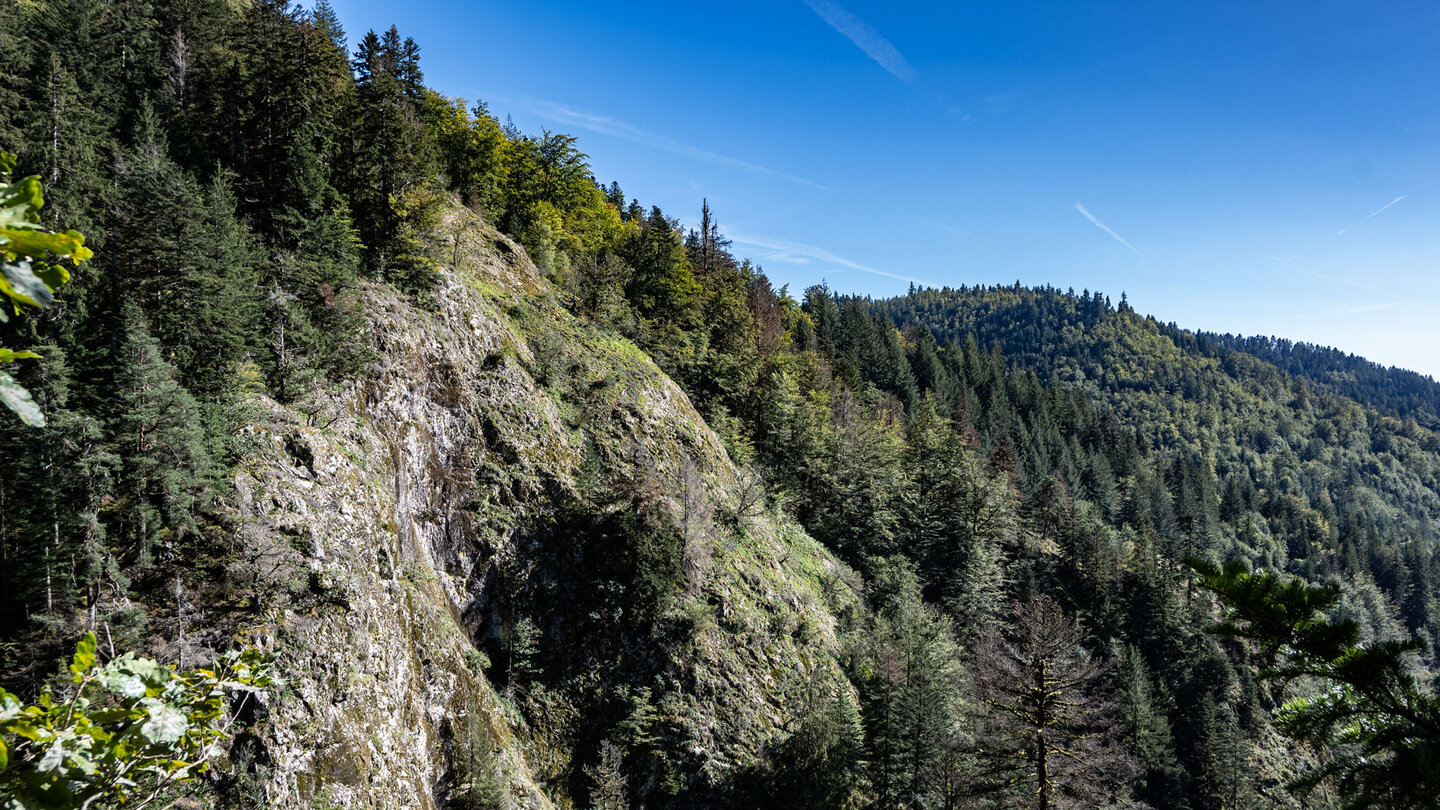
point(865, 37)
point(1106, 228)
point(559, 113)
point(1382, 210)
point(817, 253)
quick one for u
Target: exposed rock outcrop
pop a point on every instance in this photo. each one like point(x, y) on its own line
point(406, 511)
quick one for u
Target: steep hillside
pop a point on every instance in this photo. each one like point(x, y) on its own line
point(418, 533)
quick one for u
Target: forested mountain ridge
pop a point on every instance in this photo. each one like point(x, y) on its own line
point(1393, 391)
point(1025, 324)
point(1367, 474)
point(542, 499)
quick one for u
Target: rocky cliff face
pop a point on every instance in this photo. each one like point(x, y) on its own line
point(413, 533)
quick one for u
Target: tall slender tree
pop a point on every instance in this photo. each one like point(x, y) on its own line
point(1050, 739)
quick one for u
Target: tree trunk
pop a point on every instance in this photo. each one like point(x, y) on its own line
point(54, 120)
point(1042, 748)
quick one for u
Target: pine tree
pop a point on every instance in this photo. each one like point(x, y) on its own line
point(956, 520)
point(58, 477)
point(13, 49)
point(69, 135)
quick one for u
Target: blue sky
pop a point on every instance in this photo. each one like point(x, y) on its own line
point(1254, 167)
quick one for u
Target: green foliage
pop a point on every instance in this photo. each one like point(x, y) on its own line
point(819, 765)
point(908, 676)
point(1392, 391)
point(477, 783)
point(607, 781)
point(182, 255)
point(1159, 781)
point(391, 171)
point(474, 151)
point(1364, 708)
point(29, 273)
point(168, 470)
point(123, 730)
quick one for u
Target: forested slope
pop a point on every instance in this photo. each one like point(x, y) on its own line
point(541, 498)
point(1346, 488)
point(1392, 391)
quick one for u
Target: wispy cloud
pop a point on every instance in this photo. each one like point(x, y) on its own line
point(562, 114)
point(1368, 308)
point(782, 257)
point(799, 249)
point(1106, 228)
point(958, 233)
point(1349, 282)
point(1371, 215)
point(865, 37)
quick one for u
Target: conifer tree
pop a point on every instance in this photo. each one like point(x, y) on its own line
point(1380, 728)
point(327, 22)
point(168, 475)
point(188, 262)
point(662, 286)
point(391, 165)
point(1159, 781)
point(909, 681)
point(818, 767)
point(1050, 738)
point(12, 98)
point(955, 521)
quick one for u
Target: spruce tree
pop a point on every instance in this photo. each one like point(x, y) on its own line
point(169, 475)
point(909, 682)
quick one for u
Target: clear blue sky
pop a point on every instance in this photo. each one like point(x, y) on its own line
point(1254, 167)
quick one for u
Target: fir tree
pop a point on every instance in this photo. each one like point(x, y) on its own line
point(1159, 782)
point(1381, 729)
point(909, 689)
point(188, 263)
point(168, 475)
